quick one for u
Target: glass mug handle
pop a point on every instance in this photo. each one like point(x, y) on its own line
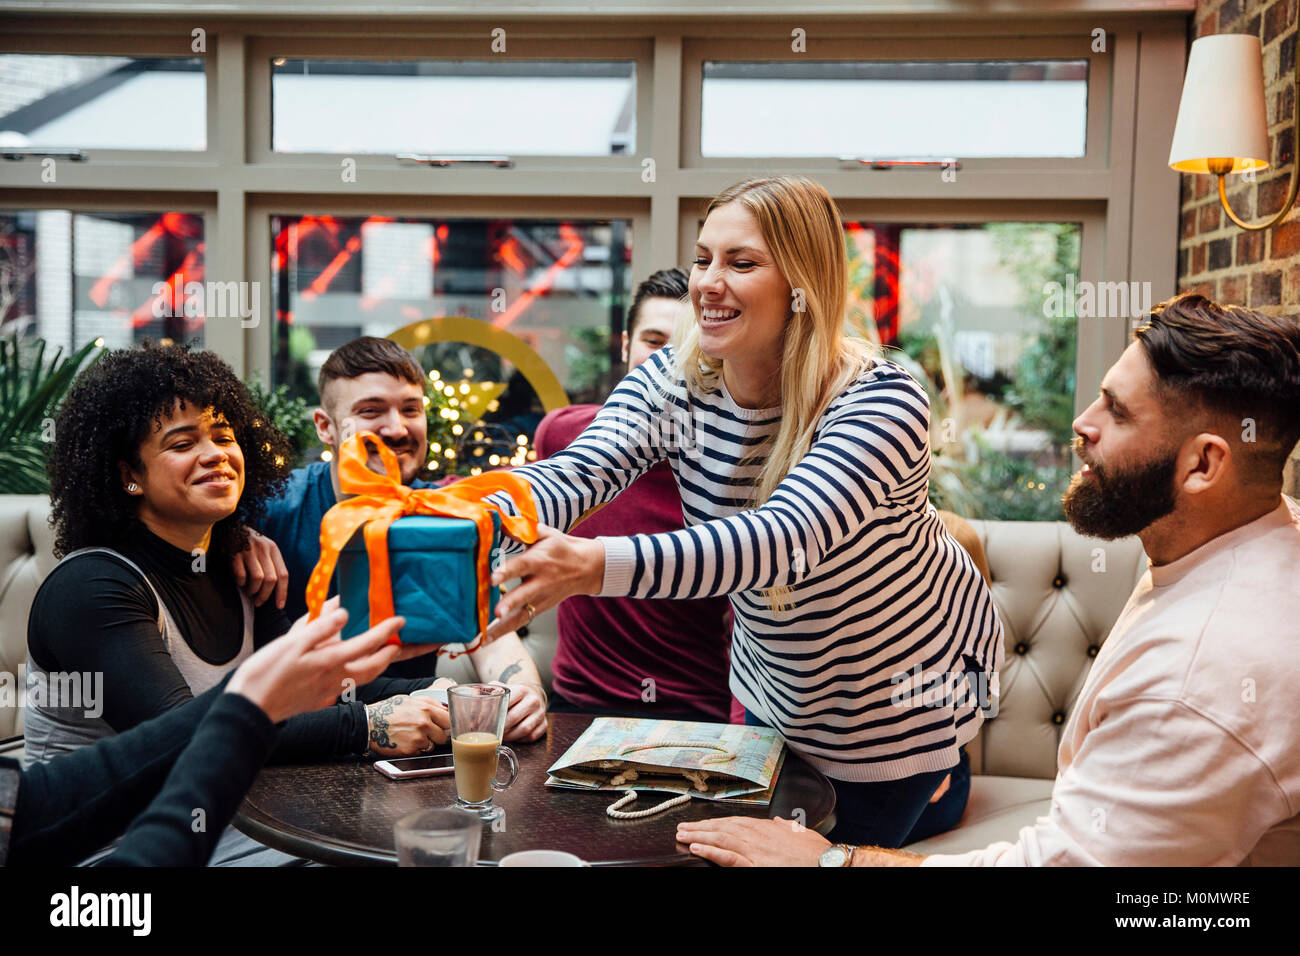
point(514, 768)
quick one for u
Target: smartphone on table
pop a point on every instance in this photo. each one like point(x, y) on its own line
point(406, 768)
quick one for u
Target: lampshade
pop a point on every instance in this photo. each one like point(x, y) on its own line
point(1221, 115)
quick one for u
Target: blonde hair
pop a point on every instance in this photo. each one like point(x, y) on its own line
point(801, 226)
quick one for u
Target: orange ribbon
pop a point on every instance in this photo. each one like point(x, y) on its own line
point(382, 499)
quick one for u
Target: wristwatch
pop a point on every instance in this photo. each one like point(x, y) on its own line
point(841, 854)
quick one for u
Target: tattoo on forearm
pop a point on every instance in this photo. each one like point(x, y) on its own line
point(378, 715)
point(511, 671)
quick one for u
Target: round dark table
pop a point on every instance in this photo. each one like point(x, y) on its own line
point(343, 813)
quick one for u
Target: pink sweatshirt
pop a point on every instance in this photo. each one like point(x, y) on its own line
point(1184, 747)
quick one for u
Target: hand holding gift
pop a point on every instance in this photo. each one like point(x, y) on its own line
point(558, 566)
point(432, 570)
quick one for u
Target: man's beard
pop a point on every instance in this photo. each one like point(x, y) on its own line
point(1117, 502)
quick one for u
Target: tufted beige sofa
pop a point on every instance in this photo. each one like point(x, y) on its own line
point(1058, 594)
point(26, 556)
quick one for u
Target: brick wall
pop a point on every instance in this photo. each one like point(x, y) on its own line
point(1260, 270)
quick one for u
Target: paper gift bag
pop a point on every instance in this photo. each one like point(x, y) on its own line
point(730, 763)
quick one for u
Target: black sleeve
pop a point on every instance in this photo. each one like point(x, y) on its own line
point(382, 688)
point(78, 802)
point(338, 731)
point(94, 614)
point(108, 622)
point(341, 730)
point(326, 734)
point(269, 622)
point(207, 784)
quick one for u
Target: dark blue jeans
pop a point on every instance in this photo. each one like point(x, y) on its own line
point(894, 813)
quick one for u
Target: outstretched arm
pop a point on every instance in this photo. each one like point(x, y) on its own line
point(301, 672)
point(633, 431)
point(871, 453)
point(78, 802)
point(182, 824)
point(747, 841)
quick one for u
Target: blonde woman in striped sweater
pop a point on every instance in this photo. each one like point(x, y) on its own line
point(802, 457)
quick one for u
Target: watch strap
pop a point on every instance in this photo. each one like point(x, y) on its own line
point(847, 850)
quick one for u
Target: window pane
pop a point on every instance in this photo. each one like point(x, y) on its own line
point(72, 277)
point(965, 308)
point(103, 102)
point(558, 288)
point(891, 110)
point(466, 107)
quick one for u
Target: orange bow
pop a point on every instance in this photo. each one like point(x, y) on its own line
point(382, 499)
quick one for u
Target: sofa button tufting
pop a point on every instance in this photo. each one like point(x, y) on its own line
point(1058, 718)
point(1058, 581)
point(1093, 649)
point(1022, 648)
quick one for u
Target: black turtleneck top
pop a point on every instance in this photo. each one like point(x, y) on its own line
point(94, 614)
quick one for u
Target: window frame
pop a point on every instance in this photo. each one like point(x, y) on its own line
point(233, 182)
point(262, 49)
point(140, 46)
point(261, 350)
point(145, 204)
point(695, 53)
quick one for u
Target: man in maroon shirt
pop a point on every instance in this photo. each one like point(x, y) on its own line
point(651, 658)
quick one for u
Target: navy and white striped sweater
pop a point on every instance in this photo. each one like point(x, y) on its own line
point(884, 600)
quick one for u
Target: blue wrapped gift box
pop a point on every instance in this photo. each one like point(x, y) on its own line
point(433, 564)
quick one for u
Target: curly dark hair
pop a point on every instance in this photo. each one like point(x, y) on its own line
point(112, 409)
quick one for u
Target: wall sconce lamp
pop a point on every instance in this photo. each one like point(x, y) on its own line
point(1221, 125)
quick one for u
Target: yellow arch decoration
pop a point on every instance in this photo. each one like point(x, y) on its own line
point(460, 328)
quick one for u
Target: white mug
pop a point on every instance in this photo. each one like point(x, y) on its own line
point(541, 858)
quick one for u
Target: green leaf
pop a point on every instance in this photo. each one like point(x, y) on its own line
point(292, 416)
point(31, 390)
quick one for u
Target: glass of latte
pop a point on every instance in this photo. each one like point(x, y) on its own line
point(478, 720)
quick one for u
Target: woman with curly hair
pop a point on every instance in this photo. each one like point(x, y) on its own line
point(112, 421)
point(160, 461)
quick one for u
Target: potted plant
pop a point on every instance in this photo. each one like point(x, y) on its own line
point(31, 390)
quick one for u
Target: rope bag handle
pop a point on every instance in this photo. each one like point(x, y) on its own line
point(696, 777)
